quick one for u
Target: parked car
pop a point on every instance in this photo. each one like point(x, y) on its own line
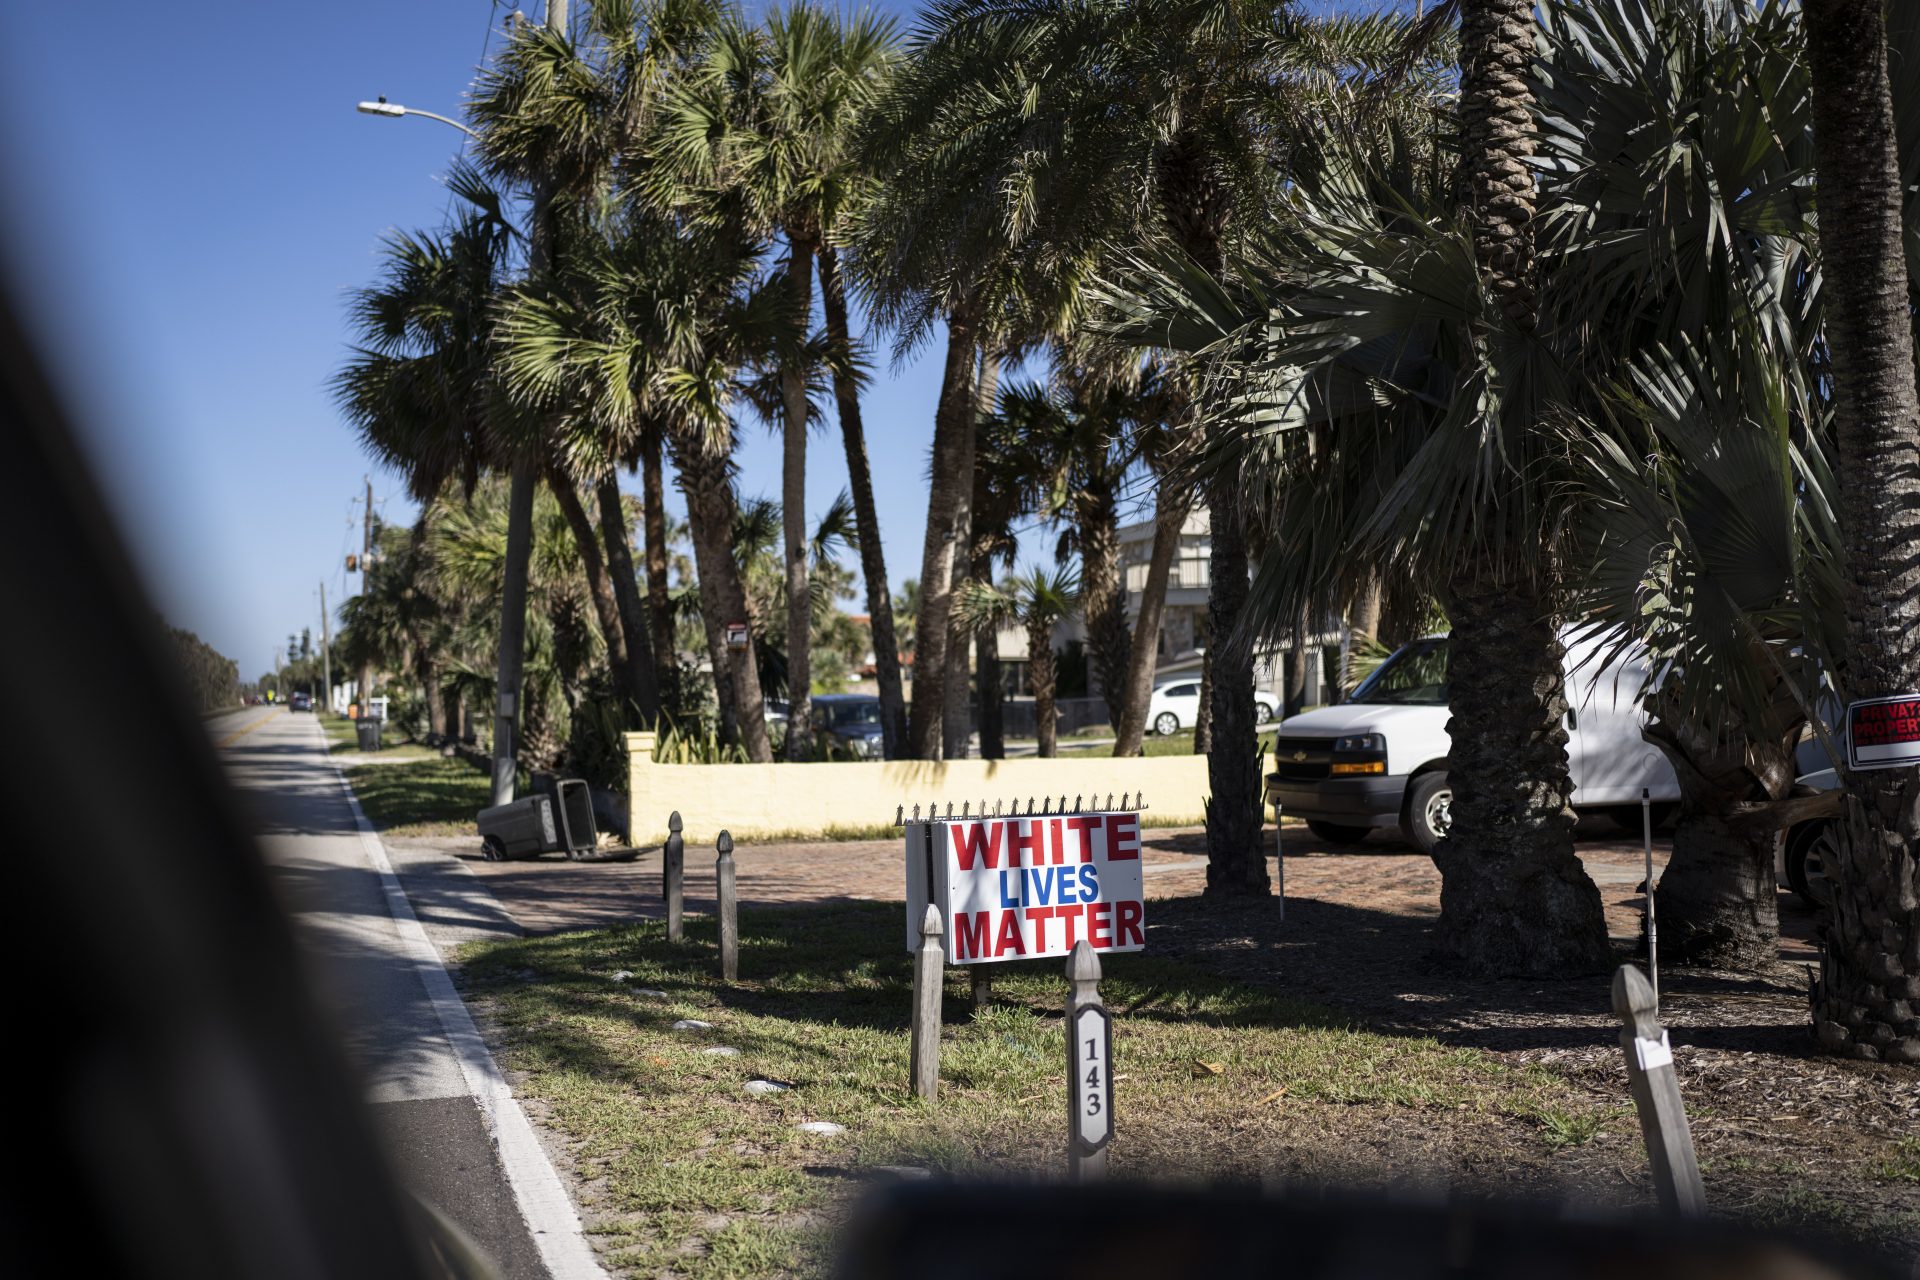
point(1380, 758)
point(300, 702)
point(1803, 855)
point(1175, 705)
point(850, 722)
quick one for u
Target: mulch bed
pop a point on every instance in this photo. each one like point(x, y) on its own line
point(1785, 1135)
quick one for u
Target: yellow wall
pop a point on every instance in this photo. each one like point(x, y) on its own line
point(812, 799)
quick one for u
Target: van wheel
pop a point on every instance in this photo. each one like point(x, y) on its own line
point(1428, 815)
point(1337, 832)
point(1166, 723)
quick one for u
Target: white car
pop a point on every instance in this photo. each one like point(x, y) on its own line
point(1176, 706)
point(1380, 758)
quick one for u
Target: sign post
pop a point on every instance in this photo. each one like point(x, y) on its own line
point(1884, 733)
point(1089, 1069)
point(1656, 1096)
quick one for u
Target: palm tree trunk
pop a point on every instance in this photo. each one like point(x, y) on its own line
point(1363, 624)
point(1236, 863)
point(993, 738)
point(1514, 898)
point(1043, 674)
point(957, 728)
point(873, 564)
point(605, 608)
point(710, 514)
point(1294, 698)
point(643, 670)
point(427, 672)
point(1169, 518)
point(1718, 900)
point(1864, 1003)
point(1103, 598)
point(952, 426)
point(1203, 718)
point(793, 509)
point(513, 628)
point(653, 506)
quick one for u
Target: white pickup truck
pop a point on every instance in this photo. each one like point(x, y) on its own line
point(1380, 758)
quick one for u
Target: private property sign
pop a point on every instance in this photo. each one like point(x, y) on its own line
point(1023, 888)
point(1884, 733)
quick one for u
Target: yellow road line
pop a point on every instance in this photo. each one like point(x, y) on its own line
point(238, 734)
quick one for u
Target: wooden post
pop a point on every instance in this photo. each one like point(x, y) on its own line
point(723, 877)
point(1089, 1069)
point(1653, 924)
point(673, 866)
point(929, 980)
point(982, 976)
point(1656, 1096)
point(1280, 857)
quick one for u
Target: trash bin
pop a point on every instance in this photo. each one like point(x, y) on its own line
point(368, 730)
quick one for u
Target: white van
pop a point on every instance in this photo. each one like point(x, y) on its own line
point(1380, 758)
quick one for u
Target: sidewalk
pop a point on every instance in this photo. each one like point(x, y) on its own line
point(551, 895)
point(367, 968)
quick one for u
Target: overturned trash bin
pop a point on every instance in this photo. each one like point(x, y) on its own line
point(520, 829)
point(367, 730)
point(579, 834)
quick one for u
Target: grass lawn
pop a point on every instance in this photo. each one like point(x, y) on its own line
point(683, 1171)
point(430, 796)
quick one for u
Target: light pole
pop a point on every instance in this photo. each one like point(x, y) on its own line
point(381, 107)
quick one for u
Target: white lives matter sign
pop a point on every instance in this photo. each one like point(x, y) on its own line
point(1028, 887)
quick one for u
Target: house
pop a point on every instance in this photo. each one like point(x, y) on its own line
point(1183, 619)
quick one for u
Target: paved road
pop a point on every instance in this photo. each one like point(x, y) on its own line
point(423, 1108)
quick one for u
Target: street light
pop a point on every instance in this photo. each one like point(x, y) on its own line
point(385, 108)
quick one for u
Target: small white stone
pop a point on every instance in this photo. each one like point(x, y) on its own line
point(821, 1126)
point(902, 1172)
point(649, 991)
point(621, 975)
point(722, 1051)
point(761, 1088)
point(692, 1024)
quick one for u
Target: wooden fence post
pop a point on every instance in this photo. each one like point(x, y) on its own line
point(1089, 1069)
point(1656, 1096)
point(673, 865)
point(929, 981)
point(723, 876)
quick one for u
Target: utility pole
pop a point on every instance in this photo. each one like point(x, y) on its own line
point(513, 594)
point(326, 653)
point(364, 688)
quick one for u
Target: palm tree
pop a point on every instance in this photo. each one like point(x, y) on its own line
point(658, 332)
point(1066, 128)
point(766, 124)
point(1870, 968)
point(1088, 433)
point(1037, 601)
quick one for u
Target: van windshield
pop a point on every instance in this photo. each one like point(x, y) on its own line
point(1415, 675)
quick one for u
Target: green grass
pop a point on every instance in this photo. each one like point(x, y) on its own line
point(432, 796)
point(693, 1175)
point(343, 739)
point(1904, 1164)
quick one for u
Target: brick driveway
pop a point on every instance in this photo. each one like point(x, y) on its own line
point(551, 895)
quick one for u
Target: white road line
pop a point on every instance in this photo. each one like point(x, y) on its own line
point(544, 1204)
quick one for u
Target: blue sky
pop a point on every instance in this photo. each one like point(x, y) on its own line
point(190, 198)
